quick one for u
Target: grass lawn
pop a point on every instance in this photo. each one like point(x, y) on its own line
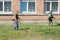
point(29, 32)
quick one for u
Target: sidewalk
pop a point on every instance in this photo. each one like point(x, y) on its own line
point(41, 22)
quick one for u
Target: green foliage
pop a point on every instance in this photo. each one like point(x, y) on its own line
point(27, 30)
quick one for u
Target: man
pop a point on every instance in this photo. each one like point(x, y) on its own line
point(16, 18)
point(50, 18)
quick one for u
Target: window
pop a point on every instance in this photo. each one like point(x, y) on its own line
point(47, 6)
point(23, 7)
point(31, 7)
point(27, 6)
point(55, 6)
point(5, 6)
point(51, 5)
point(1, 7)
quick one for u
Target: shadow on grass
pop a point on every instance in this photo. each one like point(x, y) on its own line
point(26, 29)
point(58, 24)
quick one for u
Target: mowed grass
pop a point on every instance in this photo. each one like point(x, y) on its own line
point(29, 31)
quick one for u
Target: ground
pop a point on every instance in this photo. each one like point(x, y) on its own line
point(30, 31)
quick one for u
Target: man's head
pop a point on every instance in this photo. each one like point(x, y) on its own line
point(17, 11)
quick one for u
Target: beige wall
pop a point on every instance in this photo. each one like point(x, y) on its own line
point(39, 12)
point(15, 6)
point(39, 7)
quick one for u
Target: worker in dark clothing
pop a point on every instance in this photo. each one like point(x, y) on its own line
point(50, 18)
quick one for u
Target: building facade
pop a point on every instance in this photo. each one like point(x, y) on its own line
point(29, 10)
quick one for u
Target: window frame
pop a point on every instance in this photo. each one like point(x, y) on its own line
point(27, 12)
point(51, 7)
point(3, 12)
